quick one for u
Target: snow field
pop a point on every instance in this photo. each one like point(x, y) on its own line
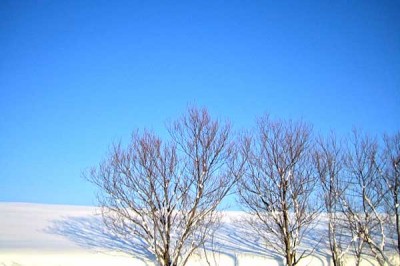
point(59, 235)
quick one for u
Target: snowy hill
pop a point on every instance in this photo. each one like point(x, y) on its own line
point(36, 234)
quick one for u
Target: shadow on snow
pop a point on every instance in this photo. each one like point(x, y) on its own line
point(231, 239)
point(90, 232)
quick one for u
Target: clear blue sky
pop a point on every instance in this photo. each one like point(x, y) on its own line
point(77, 75)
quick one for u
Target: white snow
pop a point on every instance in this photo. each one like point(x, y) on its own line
point(61, 235)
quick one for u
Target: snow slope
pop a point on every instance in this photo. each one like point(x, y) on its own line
point(36, 234)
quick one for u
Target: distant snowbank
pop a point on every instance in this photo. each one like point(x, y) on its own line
point(62, 235)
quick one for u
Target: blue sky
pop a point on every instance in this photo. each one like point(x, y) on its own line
point(77, 75)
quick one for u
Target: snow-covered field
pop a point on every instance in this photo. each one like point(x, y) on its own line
point(36, 234)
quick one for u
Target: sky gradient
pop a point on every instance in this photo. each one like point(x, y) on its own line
point(77, 75)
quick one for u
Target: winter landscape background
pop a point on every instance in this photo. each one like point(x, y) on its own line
point(77, 76)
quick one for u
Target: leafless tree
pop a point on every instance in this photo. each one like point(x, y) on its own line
point(328, 161)
point(391, 175)
point(363, 200)
point(278, 185)
point(166, 193)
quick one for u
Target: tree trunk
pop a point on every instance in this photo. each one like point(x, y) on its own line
point(289, 255)
point(397, 214)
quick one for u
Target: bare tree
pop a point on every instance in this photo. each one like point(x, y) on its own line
point(328, 160)
point(362, 202)
point(391, 175)
point(278, 185)
point(166, 193)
